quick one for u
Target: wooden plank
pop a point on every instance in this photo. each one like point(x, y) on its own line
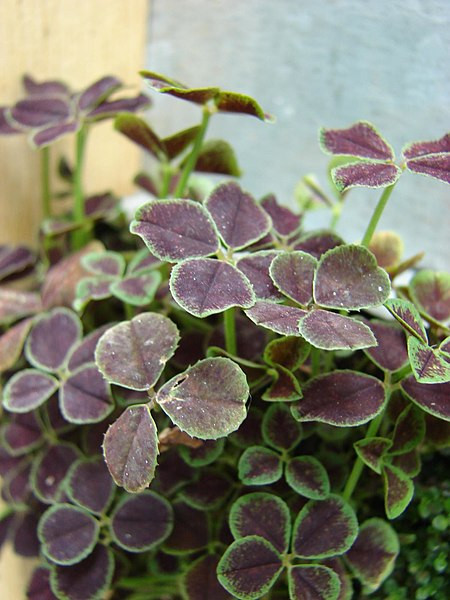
point(78, 41)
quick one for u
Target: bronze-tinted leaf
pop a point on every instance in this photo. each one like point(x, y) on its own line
point(284, 221)
point(348, 277)
point(11, 344)
point(208, 400)
point(428, 365)
point(276, 317)
point(433, 399)
point(293, 273)
point(313, 581)
point(341, 398)
point(199, 581)
point(398, 491)
point(308, 477)
point(256, 267)
point(390, 354)
point(259, 466)
point(14, 259)
point(131, 448)
point(133, 353)
point(238, 217)
point(372, 451)
point(416, 149)
point(365, 174)
point(204, 286)
point(430, 290)
point(218, 157)
point(97, 92)
point(15, 304)
point(28, 389)
point(317, 243)
point(139, 132)
point(85, 396)
point(408, 316)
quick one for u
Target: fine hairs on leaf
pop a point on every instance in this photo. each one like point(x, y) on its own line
point(213, 401)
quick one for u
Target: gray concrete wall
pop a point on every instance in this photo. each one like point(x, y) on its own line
point(314, 62)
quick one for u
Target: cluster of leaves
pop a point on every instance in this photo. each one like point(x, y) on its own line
point(230, 363)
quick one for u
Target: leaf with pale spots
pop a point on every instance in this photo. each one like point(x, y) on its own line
point(256, 267)
point(433, 165)
point(317, 243)
point(204, 286)
point(391, 353)
point(348, 277)
point(176, 229)
point(85, 396)
point(133, 353)
point(365, 174)
point(207, 401)
point(341, 398)
point(432, 398)
point(130, 448)
point(50, 470)
point(331, 331)
point(293, 273)
point(276, 317)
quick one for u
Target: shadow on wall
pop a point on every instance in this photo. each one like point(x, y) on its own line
point(314, 63)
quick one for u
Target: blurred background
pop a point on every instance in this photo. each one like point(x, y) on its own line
point(308, 62)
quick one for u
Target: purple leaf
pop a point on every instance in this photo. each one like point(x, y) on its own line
point(205, 286)
point(409, 430)
point(293, 273)
point(92, 288)
point(259, 466)
point(133, 353)
point(39, 585)
point(108, 110)
point(312, 540)
point(208, 491)
point(137, 290)
point(139, 523)
point(365, 174)
point(427, 364)
point(408, 316)
point(50, 133)
point(100, 205)
point(416, 149)
point(178, 142)
point(279, 429)
point(11, 344)
point(90, 578)
point(208, 400)
point(341, 398)
point(67, 534)
point(84, 351)
point(387, 246)
point(433, 399)
point(25, 540)
point(218, 157)
point(40, 110)
point(262, 514)
point(97, 92)
point(249, 567)
point(143, 260)
point(390, 354)
point(16, 489)
point(308, 477)
point(372, 451)
point(50, 469)
point(131, 448)
point(204, 455)
point(433, 165)
point(22, 433)
point(240, 103)
point(430, 291)
point(238, 217)
point(85, 397)
point(14, 259)
point(276, 317)
point(15, 304)
point(199, 581)
point(190, 532)
point(409, 462)
point(97, 496)
point(45, 88)
point(164, 84)
point(256, 268)
point(176, 229)
point(284, 221)
point(139, 132)
point(398, 491)
point(313, 581)
point(349, 277)
point(437, 433)
point(360, 139)
point(289, 352)
point(5, 127)
point(28, 389)
point(318, 243)
point(373, 554)
point(331, 331)
point(52, 338)
point(284, 388)
point(104, 263)
point(249, 433)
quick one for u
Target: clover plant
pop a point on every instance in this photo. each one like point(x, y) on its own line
point(190, 400)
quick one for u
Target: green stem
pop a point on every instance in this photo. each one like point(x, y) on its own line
point(192, 158)
point(230, 331)
point(372, 430)
point(166, 173)
point(79, 237)
point(315, 361)
point(376, 215)
point(189, 321)
point(45, 182)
